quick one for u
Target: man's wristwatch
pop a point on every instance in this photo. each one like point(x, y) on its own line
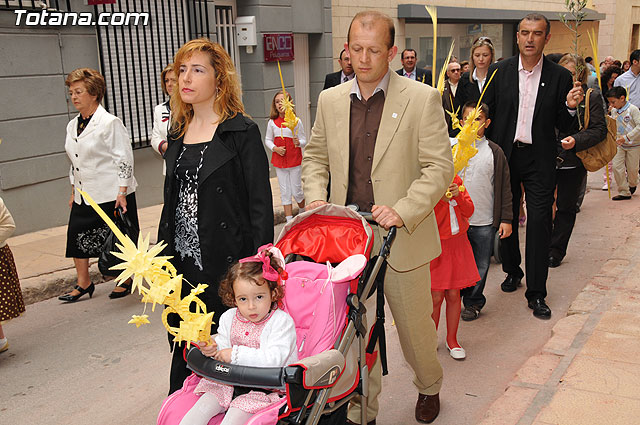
point(122, 193)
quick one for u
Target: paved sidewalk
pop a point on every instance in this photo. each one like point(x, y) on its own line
point(45, 272)
point(589, 370)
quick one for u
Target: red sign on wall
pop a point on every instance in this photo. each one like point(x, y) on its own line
point(96, 2)
point(278, 47)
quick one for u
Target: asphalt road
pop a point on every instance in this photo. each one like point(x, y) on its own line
point(83, 364)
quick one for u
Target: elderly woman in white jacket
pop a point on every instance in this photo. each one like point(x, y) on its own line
point(162, 114)
point(99, 148)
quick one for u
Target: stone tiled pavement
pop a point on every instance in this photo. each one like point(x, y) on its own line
point(589, 370)
point(587, 373)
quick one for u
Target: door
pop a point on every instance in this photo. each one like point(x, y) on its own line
point(301, 80)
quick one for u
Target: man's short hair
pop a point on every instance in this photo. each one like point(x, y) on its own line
point(588, 59)
point(635, 56)
point(408, 50)
point(536, 17)
point(616, 92)
point(484, 108)
point(340, 55)
point(369, 17)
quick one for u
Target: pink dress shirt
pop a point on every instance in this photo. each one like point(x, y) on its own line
point(528, 91)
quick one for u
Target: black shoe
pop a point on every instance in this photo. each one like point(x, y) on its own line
point(511, 283)
point(73, 298)
point(632, 189)
point(540, 308)
point(554, 261)
point(470, 313)
point(620, 198)
point(119, 294)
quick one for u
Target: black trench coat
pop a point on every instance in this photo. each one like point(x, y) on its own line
point(235, 207)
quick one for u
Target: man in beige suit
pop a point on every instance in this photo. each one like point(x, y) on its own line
point(384, 141)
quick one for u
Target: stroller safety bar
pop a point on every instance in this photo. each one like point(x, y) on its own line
point(244, 376)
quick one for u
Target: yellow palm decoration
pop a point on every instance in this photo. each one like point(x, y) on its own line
point(433, 13)
point(163, 285)
point(443, 71)
point(465, 149)
point(290, 118)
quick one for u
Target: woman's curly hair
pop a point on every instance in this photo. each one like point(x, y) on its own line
point(251, 271)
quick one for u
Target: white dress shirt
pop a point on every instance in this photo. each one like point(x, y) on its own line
point(161, 123)
point(528, 82)
point(344, 78)
point(101, 157)
point(411, 74)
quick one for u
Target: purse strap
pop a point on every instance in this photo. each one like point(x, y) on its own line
point(586, 108)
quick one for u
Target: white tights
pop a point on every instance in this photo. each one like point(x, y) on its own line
point(207, 407)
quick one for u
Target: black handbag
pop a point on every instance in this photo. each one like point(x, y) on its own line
point(107, 259)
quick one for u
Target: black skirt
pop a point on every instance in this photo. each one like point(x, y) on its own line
point(87, 232)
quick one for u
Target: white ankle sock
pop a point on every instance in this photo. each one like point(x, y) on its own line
point(289, 218)
point(3, 341)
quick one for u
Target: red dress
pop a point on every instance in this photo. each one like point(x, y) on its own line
point(456, 267)
point(293, 153)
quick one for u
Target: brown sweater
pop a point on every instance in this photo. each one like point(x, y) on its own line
point(502, 197)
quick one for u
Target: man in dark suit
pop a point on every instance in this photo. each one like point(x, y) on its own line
point(529, 98)
point(451, 98)
point(409, 69)
point(342, 76)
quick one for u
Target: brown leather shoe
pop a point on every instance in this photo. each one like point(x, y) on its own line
point(373, 422)
point(427, 408)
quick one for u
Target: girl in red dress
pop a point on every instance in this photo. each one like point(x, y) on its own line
point(455, 268)
point(286, 146)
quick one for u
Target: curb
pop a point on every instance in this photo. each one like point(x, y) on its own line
point(43, 287)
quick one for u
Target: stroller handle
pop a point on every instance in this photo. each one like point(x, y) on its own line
point(369, 217)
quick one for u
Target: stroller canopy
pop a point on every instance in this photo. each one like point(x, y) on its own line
point(328, 233)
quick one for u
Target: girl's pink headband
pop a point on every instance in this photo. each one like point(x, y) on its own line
point(268, 272)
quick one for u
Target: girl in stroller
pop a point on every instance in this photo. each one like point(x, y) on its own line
point(255, 332)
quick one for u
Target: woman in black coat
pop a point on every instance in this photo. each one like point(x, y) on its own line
point(482, 56)
point(217, 196)
point(571, 173)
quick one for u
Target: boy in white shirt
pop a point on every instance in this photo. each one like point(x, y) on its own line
point(487, 179)
point(625, 163)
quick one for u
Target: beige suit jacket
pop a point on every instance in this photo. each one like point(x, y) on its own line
point(412, 164)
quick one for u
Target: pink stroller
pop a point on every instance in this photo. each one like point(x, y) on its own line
point(324, 302)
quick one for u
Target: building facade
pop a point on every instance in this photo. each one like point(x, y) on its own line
point(37, 54)
point(461, 22)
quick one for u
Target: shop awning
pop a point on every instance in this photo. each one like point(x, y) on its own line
point(416, 13)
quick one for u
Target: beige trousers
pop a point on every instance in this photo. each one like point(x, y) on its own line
point(626, 160)
point(408, 295)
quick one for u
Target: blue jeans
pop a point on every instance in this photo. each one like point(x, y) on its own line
point(481, 239)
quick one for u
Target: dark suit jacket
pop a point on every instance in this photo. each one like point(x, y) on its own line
point(447, 97)
point(332, 80)
point(420, 74)
point(469, 90)
point(550, 111)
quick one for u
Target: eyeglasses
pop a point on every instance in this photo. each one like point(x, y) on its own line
point(455, 70)
point(483, 39)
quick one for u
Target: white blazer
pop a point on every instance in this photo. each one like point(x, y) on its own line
point(101, 157)
point(7, 225)
point(161, 123)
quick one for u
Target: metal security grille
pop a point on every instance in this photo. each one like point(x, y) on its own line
point(132, 57)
